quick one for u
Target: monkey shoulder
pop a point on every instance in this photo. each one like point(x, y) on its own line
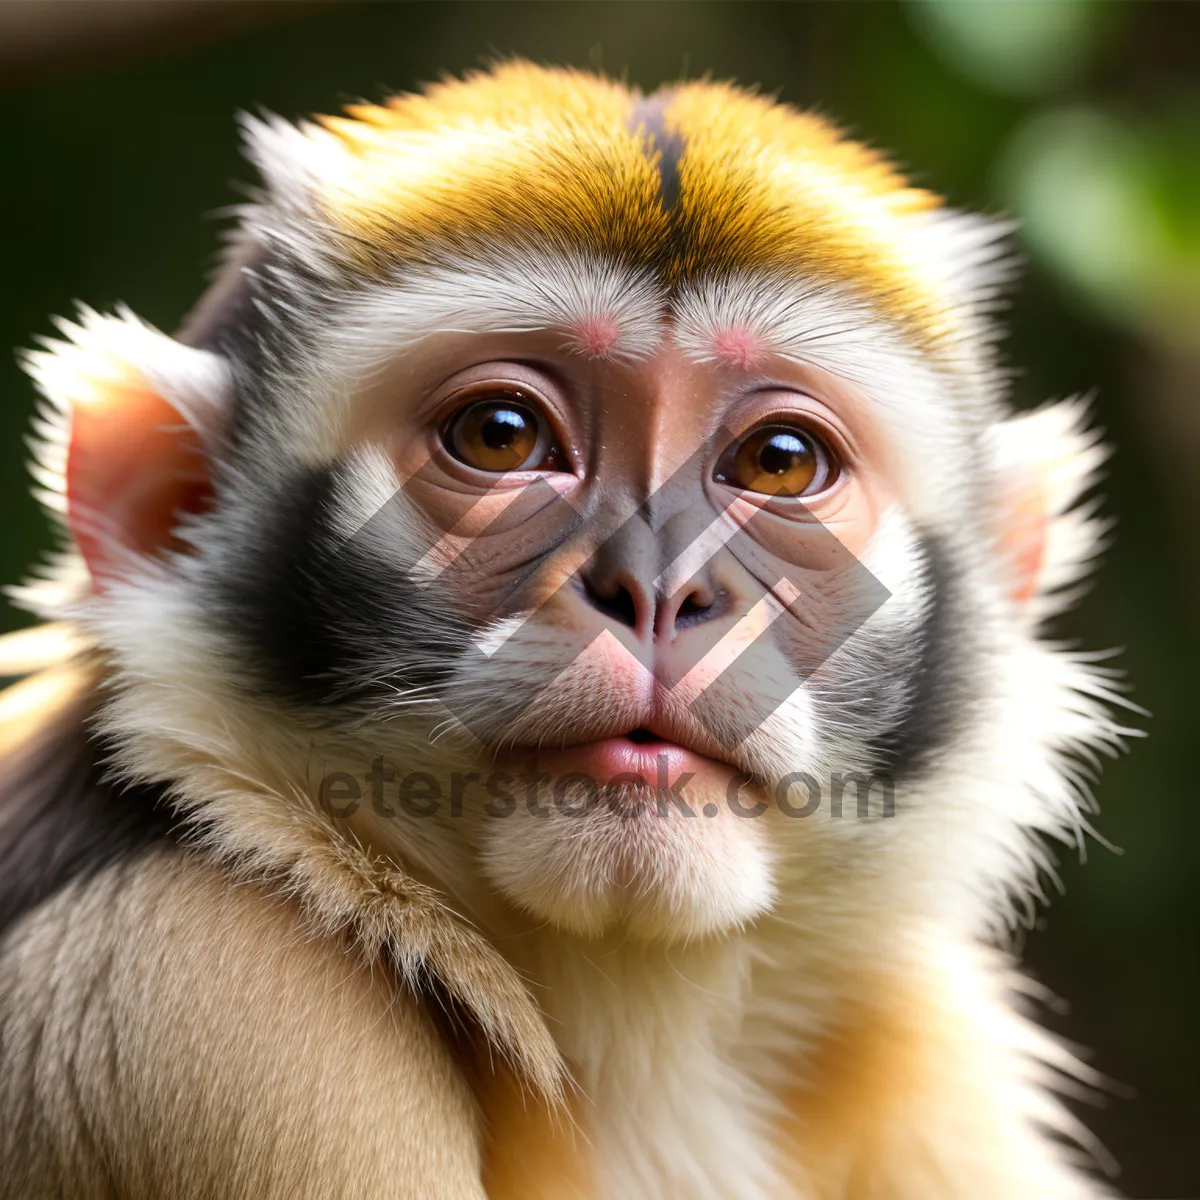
point(166, 1031)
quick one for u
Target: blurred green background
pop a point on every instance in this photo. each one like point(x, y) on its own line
point(1080, 118)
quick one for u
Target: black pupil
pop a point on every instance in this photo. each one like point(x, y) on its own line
point(503, 427)
point(780, 454)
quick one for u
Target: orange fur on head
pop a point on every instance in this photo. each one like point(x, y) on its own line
point(760, 186)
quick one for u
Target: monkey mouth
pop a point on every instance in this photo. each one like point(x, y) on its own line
point(641, 736)
point(662, 731)
point(657, 753)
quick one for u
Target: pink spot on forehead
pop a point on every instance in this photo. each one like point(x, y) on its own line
point(737, 347)
point(596, 336)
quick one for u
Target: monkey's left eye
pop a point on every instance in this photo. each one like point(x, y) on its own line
point(502, 432)
point(778, 460)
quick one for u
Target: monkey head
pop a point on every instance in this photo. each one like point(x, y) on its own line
point(604, 504)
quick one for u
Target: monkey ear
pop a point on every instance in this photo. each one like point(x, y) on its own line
point(1044, 462)
point(123, 438)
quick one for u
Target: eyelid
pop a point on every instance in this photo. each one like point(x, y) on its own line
point(544, 384)
point(787, 403)
point(837, 441)
point(483, 389)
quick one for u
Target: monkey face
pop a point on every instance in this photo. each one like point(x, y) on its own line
point(633, 468)
point(642, 572)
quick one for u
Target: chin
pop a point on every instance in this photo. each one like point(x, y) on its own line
point(633, 863)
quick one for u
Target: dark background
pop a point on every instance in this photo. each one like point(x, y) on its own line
point(118, 149)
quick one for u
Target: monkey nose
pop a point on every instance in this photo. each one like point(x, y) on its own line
point(623, 584)
point(650, 614)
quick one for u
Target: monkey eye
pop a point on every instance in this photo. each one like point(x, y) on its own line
point(502, 431)
point(778, 460)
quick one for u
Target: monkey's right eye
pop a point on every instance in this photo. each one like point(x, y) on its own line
point(501, 433)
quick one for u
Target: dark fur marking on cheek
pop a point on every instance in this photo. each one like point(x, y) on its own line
point(323, 621)
point(938, 695)
point(62, 818)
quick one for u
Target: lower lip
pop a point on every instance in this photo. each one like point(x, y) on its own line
point(620, 760)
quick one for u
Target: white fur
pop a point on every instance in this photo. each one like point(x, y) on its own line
point(518, 293)
point(95, 355)
point(926, 410)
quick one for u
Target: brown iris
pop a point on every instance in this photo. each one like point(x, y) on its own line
point(778, 460)
point(497, 434)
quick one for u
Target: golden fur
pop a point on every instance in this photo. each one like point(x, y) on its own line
point(761, 186)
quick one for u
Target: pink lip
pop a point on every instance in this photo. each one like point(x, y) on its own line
point(620, 759)
point(659, 763)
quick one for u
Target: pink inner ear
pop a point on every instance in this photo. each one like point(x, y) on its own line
point(1023, 539)
point(133, 465)
point(737, 347)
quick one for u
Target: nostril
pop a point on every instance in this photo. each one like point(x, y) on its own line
point(619, 607)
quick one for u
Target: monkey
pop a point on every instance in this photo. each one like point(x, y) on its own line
point(544, 690)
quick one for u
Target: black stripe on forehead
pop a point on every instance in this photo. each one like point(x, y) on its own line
point(649, 116)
